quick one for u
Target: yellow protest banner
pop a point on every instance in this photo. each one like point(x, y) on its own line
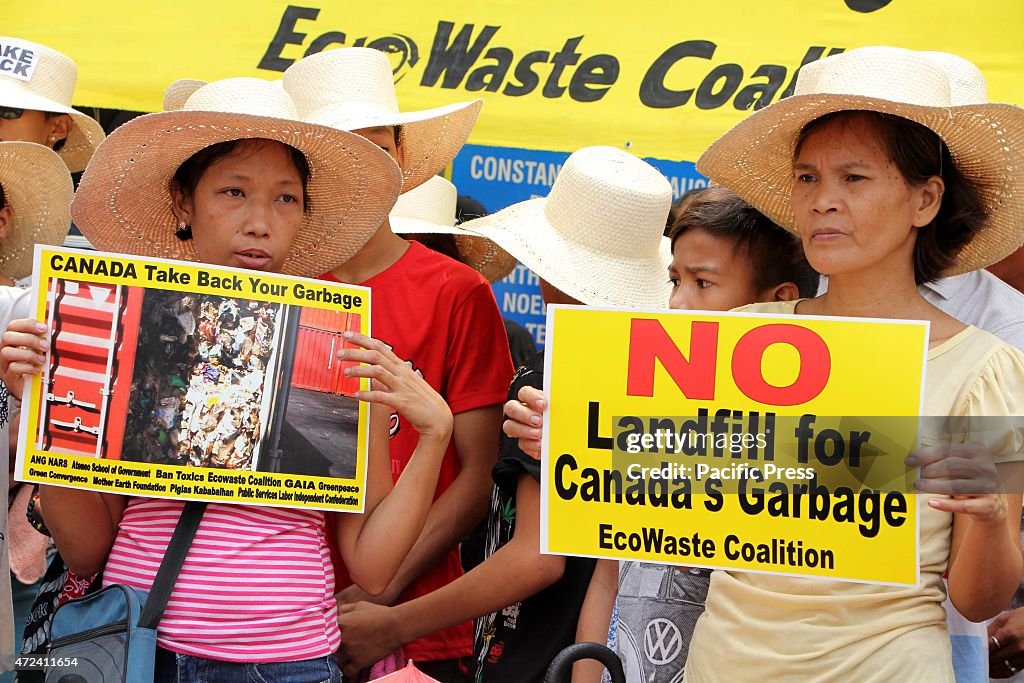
point(734, 441)
point(663, 79)
point(180, 380)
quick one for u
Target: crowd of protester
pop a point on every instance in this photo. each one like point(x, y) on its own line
point(888, 172)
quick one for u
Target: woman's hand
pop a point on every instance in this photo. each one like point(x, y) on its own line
point(526, 420)
point(22, 353)
point(965, 472)
point(394, 383)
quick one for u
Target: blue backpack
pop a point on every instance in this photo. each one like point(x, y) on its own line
point(110, 635)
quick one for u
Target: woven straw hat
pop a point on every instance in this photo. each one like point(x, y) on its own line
point(123, 202)
point(178, 92)
point(430, 209)
point(44, 80)
point(353, 88)
point(37, 186)
point(598, 235)
point(942, 93)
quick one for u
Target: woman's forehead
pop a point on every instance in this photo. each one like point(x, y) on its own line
point(852, 132)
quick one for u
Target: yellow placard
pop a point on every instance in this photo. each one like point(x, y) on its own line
point(734, 440)
point(181, 380)
point(663, 79)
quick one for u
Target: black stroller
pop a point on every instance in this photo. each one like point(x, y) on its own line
point(561, 667)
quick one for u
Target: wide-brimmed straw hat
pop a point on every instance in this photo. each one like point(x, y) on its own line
point(124, 204)
point(598, 235)
point(986, 140)
point(43, 79)
point(353, 88)
point(430, 209)
point(37, 186)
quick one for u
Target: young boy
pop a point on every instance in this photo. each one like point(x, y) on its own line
point(437, 314)
point(725, 254)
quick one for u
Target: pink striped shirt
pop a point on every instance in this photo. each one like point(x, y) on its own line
point(257, 584)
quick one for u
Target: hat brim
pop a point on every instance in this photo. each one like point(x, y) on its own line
point(476, 251)
point(593, 278)
point(85, 136)
point(986, 141)
point(86, 133)
point(123, 203)
point(430, 138)
point(38, 188)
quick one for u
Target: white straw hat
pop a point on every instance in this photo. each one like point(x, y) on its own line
point(37, 186)
point(353, 88)
point(123, 201)
point(178, 92)
point(430, 209)
point(598, 236)
point(43, 79)
point(985, 140)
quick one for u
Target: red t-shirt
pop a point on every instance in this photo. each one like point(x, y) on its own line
point(440, 316)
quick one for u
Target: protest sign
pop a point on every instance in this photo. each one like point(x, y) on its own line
point(734, 440)
point(182, 380)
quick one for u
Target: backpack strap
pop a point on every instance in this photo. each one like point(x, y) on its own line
point(170, 566)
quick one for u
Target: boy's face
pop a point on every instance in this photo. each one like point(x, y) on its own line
point(709, 274)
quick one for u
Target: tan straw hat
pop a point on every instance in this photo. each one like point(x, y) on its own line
point(598, 235)
point(353, 88)
point(37, 186)
point(430, 209)
point(123, 203)
point(986, 140)
point(33, 76)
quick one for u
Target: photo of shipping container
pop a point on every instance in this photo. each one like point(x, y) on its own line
point(315, 434)
point(85, 379)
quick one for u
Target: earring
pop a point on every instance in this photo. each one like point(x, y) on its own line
point(182, 225)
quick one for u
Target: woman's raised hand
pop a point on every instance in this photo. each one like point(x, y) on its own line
point(394, 383)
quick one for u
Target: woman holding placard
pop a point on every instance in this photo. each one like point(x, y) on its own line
point(262, 191)
point(892, 176)
point(893, 173)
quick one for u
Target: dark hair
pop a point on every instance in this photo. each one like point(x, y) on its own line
point(59, 145)
point(775, 255)
point(443, 243)
point(679, 205)
point(920, 154)
point(3, 199)
point(187, 177)
point(467, 208)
